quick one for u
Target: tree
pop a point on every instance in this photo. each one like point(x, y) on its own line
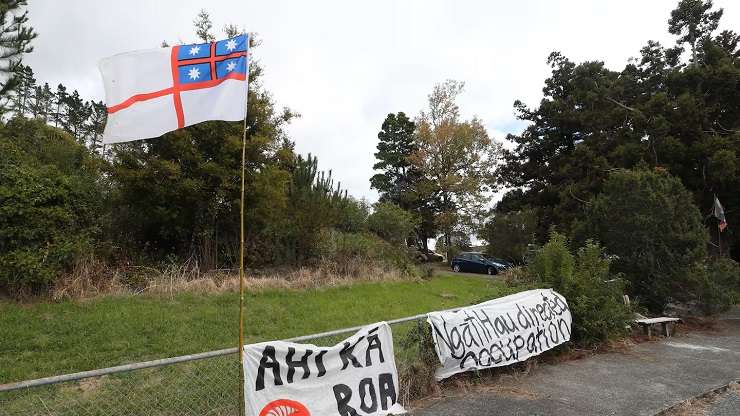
point(232, 31)
point(391, 222)
point(455, 159)
point(96, 124)
point(51, 204)
point(60, 100)
point(509, 234)
point(76, 115)
point(15, 40)
point(203, 26)
point(656, 112)
point(398, 179)
point(647, 220)
point(693, 20)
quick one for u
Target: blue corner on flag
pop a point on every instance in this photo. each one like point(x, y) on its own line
point(235, 44)
point(231, 66)
point(199, 50)
point(189, 74)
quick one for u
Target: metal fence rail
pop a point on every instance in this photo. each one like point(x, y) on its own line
point(195, 384)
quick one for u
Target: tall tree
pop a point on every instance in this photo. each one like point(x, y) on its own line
point(15, 40)
point(96, 125)
point(455, 159)
point(692, 20)
point(397, 179)
point(395, 146)
point(60, 99)
point(657, 112)
point(76, 115)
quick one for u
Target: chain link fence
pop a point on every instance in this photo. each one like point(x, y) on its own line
point(199, 384)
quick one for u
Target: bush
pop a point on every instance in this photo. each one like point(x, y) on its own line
point(719, 286)
point(349, 251)
point(648, 220)
point(49, 205)
point(391, 222)
point(593, 294)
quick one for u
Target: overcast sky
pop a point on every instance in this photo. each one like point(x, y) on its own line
point(344, 65)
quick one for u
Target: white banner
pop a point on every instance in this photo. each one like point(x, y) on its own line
point(499, 332)
point(356, 377)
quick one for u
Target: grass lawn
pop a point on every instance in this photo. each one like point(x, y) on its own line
point(45, 339)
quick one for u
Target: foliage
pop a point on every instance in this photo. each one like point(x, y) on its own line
point(395, 145)
point(84, 120)
point(509, 234)
point(203, 26)
point(348, 253)
point(592, 292)
point(391, 222)
point(657, 112)
point(693, 20)
point(456, 160)
point(647, 219)
point(719, 286)
point(50, 204)
point(398, 180)
point(15, 40)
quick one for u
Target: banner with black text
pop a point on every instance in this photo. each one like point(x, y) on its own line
point(499, 332)
point(355, 377)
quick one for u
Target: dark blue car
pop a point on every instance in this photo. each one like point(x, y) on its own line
point(473, 262)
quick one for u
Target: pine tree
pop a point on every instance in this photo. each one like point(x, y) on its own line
point(15, 40)
point(76, 115)
point(395, 146)
point(60, 102)
point(203, 26)
point(96, 124)
point(23, 90)
point(48, 102)
point(693, 20)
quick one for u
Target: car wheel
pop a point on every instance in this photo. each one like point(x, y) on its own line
point(456, 268)
point(492, 271)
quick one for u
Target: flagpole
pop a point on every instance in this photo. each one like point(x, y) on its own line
point(242, 402)
point(719, 237)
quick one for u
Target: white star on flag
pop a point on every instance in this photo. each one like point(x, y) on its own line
point(230, 66)
point(194, 73)
point(194, 50)
point(231, 45)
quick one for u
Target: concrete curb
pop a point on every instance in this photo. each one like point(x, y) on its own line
point(705, 395)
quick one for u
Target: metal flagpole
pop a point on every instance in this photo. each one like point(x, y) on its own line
point(242, 401)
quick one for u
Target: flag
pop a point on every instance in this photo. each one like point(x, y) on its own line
point(151, 92)
point(719, 213)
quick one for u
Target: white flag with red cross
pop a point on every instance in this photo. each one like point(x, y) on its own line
point(151, 92)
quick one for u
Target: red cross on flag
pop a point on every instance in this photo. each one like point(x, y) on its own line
point(152, 92)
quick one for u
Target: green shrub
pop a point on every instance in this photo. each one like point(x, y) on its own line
point(391, 222)
point(49, 205)
point(719, 286)
point(349, 251)
point(594, 295)
point(648, 220)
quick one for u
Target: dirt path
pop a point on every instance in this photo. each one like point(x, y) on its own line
point(644, 380)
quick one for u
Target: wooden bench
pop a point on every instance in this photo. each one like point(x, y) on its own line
point(648, 323)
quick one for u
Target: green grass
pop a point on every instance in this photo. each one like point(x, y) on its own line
point(45, 339)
